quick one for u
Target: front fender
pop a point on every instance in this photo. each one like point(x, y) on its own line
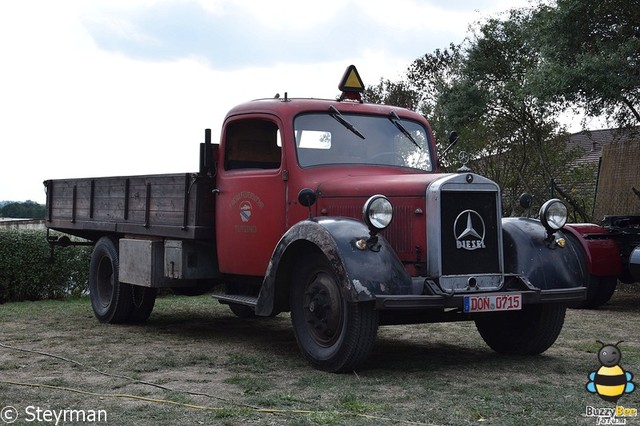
point(546, 266)
point(363, 274)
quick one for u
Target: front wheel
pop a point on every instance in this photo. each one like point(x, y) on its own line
point(333, 334)
point(529, 331)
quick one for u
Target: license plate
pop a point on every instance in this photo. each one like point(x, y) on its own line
point(493, 302)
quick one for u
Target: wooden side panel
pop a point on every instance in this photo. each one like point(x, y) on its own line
point(172, 205)
point(619, 180)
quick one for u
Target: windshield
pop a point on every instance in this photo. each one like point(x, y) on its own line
point(335, 138)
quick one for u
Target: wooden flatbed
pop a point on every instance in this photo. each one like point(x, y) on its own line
point(169, 205)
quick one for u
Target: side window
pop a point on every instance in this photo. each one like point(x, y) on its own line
point(252, 144)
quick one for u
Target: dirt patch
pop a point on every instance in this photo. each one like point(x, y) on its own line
point(194, 362)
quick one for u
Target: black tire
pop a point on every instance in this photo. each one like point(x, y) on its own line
point(143, 300)
point(529, 331)
point(599, 291)
point(333, 335)
point(112, 301)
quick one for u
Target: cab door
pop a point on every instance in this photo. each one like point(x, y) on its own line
point(250, 205)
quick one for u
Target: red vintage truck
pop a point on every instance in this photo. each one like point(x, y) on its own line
point(334, 211)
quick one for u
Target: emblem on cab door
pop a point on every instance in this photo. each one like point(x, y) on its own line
point(469, 230)
point(245, 211)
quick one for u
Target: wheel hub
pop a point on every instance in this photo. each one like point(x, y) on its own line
point(323, 309)
point(105, 282)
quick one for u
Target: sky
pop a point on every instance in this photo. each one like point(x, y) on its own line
point(92, 88)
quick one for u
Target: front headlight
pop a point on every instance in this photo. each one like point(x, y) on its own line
point(553, 214)
point(377, 213)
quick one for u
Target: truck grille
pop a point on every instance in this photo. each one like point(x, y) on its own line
point(469, 237)
point(464, 233)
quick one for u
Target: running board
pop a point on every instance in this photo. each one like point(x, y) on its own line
point(237, 299)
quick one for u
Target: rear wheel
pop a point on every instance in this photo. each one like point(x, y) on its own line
point(529, 331)
point(143, 300)
point(111, 300)
point(599, 291)
point(332, 334)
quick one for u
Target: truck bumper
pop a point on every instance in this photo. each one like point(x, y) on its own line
point(437, 299)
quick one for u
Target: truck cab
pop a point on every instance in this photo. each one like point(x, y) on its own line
point(265, 164)
point(336, 211)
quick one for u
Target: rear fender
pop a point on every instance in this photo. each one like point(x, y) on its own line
point(599, 249)
point(363, 274)
point(546, 266)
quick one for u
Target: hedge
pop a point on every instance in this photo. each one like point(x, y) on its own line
point(27, 271)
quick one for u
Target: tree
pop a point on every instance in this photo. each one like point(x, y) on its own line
point(505, 86)
point(521, 131)
point(433, 76)
point(396, 93)
point(481, 90)
point(28, 210)
point(590, 57)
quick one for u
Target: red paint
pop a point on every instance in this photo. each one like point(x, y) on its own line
point(255, 207)
point(602, 253)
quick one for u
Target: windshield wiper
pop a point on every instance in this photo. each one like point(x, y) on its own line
point(396, 121)
point(338, 116)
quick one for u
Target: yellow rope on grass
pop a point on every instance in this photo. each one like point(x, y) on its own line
point(200, 407)
point(108, 395)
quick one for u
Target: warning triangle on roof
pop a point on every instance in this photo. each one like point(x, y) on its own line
point(351, 81)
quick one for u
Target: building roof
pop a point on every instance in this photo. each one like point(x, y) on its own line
point(592, 141)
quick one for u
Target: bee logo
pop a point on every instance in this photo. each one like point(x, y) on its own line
point(610, 382)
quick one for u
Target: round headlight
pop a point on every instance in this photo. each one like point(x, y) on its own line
point(377, 212)
point(553, 214)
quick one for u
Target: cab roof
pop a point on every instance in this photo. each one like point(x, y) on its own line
point(290, 107)
point(351, 87)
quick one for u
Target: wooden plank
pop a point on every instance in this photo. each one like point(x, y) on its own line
point(176, 206)
point(619, 175)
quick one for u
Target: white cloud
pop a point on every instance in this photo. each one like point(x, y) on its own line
point(110, 87)
point(248, 33)
point(291, 14)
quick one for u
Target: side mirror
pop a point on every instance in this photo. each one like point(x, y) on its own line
point(307, 197)
point(525, 200)
point(453, 139)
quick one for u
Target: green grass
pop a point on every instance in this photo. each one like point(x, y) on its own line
point(250, 385)
point(217, 369)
